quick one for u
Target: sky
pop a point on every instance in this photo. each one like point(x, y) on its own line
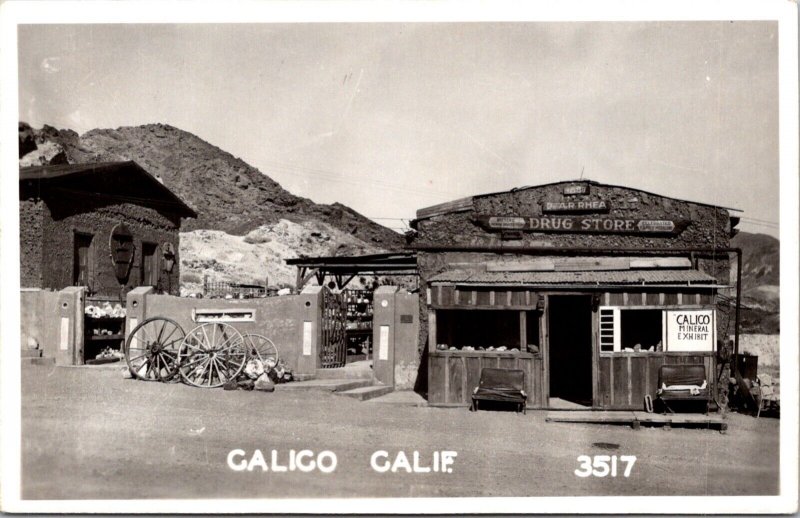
point(388, 118)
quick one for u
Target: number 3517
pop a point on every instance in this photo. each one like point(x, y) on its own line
point(605, 465)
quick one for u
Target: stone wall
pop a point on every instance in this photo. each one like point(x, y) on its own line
point(709, 226)
point(31, 222)
point(63, 218)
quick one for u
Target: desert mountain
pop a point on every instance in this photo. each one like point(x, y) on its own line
point(229, 194)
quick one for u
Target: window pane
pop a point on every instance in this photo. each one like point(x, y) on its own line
point(641, 329)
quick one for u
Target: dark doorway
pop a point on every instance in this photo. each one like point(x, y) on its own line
point(570, 329)
point(81, 260)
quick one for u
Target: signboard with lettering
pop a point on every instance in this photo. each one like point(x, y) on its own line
point(582, 188)
point(582, 224)
point(575, 206)
point(690, 330)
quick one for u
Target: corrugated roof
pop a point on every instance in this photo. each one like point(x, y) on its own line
point(588, 278)
point(51, 172)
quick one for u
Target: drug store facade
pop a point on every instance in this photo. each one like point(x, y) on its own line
point(588, 288)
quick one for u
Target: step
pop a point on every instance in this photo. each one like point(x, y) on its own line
point(350, 371)
point(366, 393)
point(31, 353)
point(325, 385)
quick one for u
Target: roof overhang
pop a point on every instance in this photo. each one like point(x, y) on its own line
point(583, 279)
point(52, 172)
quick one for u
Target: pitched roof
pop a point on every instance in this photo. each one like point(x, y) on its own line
point(52, 172)
point(465, 204)
point(627, 277)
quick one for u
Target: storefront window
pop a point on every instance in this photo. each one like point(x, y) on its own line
point(656, 330)
point(486, 330)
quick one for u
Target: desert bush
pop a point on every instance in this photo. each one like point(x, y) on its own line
point(191, 278)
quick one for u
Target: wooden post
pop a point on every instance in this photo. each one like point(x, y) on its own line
point(523, 331)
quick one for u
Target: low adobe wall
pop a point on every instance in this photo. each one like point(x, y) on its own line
point(281, 319)
point(39, 319)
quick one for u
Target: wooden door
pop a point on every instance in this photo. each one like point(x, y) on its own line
point(81, 260)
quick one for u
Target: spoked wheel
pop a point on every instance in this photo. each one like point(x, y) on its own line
point(151, 350)
point(212, 354)
point(260, 348)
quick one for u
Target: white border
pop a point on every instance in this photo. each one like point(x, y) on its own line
point(20, 12)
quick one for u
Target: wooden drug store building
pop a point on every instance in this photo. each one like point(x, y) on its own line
point(588, 288)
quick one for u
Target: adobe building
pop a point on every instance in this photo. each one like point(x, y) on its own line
point(588, 288)
point(89, 235)
point(108, 226)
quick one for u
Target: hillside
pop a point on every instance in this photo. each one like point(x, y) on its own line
point(760, 282)
point(229, 194)
point(258, 257)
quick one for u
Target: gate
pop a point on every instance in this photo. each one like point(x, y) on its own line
point(333, 350)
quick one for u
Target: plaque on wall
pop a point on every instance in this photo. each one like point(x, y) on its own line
point(582, 188)
point(575, 206)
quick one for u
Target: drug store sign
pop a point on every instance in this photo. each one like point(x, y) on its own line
point(582, 224)
point(690, 330)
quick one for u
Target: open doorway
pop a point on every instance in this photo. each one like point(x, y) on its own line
point(570, 350)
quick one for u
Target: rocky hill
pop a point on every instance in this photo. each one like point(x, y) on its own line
point(760, 282)
point(229, 194)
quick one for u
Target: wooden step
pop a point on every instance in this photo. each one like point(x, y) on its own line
point(325, 385)
point(366, 393)
point(634, 418)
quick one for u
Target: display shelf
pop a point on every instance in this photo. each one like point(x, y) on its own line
point(110, 327)
point(117, 336)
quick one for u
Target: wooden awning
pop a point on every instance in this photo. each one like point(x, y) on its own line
point(568, 278)
point(344, 268)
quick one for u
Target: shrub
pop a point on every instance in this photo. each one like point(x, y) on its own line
point(191, 278)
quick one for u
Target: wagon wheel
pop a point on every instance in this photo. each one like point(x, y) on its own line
point(151, 350)
point(260, 347)
point(212, 354)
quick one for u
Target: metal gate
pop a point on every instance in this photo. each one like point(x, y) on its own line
point(333, 350)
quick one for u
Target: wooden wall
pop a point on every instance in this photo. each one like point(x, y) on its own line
point(452, 375)
point(625, 378)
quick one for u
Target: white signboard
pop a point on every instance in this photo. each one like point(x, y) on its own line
point(383, 345)
point(306, 338)
point(64, 343)
point(690, 330)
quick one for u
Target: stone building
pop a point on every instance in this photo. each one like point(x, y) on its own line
point(108, 226)
point(588, 288)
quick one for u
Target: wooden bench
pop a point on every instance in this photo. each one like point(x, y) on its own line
point(501, 385)
point(683, 382)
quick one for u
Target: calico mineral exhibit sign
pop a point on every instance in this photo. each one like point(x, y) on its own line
point(583, 224)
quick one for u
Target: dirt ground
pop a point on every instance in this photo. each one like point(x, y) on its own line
point(90, 434)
